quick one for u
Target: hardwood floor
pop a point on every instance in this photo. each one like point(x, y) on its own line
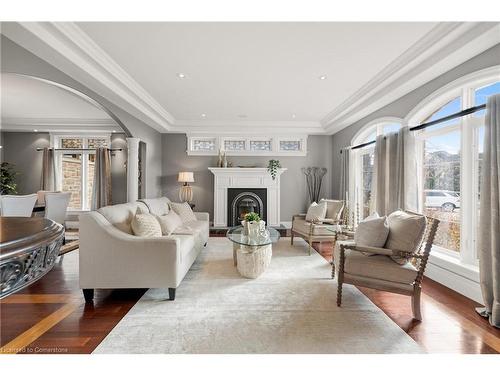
point(50, 316)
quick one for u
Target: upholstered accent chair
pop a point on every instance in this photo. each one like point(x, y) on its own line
point(372, 267)
point(321, 230)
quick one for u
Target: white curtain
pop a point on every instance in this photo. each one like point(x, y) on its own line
point(489, 216)
point(344, 173)
point(101, 193)
point(395, 175)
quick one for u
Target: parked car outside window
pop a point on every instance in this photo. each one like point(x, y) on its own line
point(447, 200)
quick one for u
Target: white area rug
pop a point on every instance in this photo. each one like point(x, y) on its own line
point(291, 308)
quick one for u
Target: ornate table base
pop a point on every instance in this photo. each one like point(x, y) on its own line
point(28, 250)
point(252, 261)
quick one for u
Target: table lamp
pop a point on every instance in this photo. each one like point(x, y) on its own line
point(186, 191)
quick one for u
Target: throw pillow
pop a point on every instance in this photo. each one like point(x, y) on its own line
point(169, 222)
point(334, 208)
point(316, 212)
point(372, 231)
point(406, 232)
point(145, 225)
point(184, 211)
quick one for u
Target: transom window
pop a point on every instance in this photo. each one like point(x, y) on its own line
point(75, 167)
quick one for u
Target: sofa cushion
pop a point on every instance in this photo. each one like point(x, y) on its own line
point(184, 211)
point(199, 229)
point(379, 267)
point(169, 222)
point(372, 231)
point(316, 212)
point(302, 226)
point(157, 206)
point(334, 208)
point(145, 225)
point(406, 231)
point(121, 215)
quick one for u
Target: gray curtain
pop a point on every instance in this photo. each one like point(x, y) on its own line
point(101, 193)
point(344, 173)
point(395, 179)
point(489, 216)
point(48, 180)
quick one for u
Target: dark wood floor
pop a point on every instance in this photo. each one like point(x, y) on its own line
point(51, 316)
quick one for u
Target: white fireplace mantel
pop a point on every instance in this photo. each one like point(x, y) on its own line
point(226, 178)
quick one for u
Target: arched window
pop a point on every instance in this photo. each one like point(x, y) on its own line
point(364, 159)
point(449, 154)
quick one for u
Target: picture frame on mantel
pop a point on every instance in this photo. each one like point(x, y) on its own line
point(279, 145)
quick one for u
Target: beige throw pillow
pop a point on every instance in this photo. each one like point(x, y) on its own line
point(184, 211)
point(316, 212)
point(145, 225)
point(406, 232)
point(372, 231)
point(169, 222)
point(334, 208)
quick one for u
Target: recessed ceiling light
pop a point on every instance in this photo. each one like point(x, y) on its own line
point(203, 115)
point(323, 77)
point(181, 75)
point(113, 131)
point(35, 130)
point(293, 115)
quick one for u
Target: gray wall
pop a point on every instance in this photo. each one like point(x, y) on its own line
point(19, 148)
point(15, 59)
point(403, 106)
point(293, 188)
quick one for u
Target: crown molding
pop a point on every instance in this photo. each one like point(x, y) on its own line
point(75, 46)
point(22, 124)
point(247, 126)
point(446, 46)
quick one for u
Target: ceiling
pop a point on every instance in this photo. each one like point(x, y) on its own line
point(253, 77)
point(30, 104)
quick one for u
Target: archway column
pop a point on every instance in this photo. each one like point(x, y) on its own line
point(132, 169)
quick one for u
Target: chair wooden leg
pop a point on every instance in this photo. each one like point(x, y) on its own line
point(415, 303)
point(339, 293)
point(333, 269)
point(310, 245)
point(291, 236)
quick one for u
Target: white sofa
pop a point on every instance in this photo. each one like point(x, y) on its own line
point(112, 257)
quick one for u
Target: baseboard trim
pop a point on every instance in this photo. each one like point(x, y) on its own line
point(463, 285)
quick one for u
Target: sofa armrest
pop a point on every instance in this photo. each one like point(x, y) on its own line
point(202, 216)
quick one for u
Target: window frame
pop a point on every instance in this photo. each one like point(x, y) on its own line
point(468, 127)
point(55, 142)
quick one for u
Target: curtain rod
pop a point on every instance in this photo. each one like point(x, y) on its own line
point(465, 112)
point(78, 149)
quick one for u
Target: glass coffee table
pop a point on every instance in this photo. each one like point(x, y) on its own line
point(252, 254)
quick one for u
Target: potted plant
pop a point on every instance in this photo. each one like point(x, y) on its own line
point(7, 179)
point(253, 225)
point(273, 167)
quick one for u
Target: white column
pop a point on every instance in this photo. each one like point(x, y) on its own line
point(132, 169)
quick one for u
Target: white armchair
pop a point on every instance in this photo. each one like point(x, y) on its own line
point(17, 205)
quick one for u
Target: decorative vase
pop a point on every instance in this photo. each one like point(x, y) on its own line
point(225, 161)
point(253, 229)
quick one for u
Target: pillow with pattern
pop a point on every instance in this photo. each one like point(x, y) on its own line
point(184, 211)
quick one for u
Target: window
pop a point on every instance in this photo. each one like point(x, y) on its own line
point(364, 163)
point(450, 155)
point(76, 167)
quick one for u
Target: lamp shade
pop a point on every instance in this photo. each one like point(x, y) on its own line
point(185, 177)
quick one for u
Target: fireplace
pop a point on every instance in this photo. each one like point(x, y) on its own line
point(241, 201)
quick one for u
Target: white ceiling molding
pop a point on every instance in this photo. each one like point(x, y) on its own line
point(250, 127)
point(19, 124)
point(68, 40)
point(445, 47)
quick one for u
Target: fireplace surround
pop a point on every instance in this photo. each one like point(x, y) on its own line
point(246, 180)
